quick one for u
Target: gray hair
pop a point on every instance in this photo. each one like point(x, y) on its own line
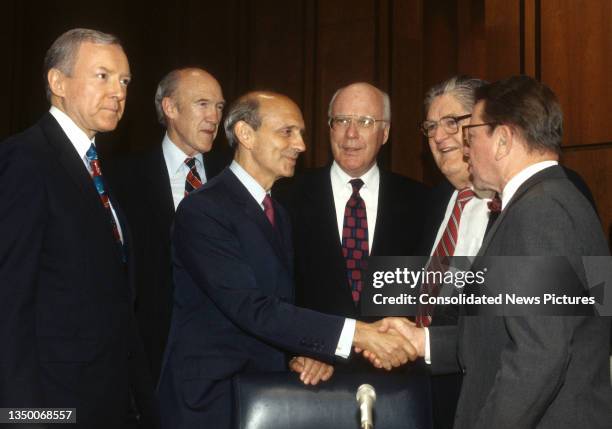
point(63, 52)
point(244, 109)
point(386, 103)
point(166, 88)
point(462, 88)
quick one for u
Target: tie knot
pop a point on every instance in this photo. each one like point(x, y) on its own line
point(356, 184)
point(495, 204)
point(464, 196)
point(91, 153)
point(190, 162)
point(267, 202)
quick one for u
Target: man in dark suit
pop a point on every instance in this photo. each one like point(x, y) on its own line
point(544, 372)
point(360, 120)
point(233, 272)
point(149, 187)
point(66, 320)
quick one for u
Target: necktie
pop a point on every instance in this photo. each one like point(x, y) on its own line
point(355, 239)
point(445, 248)
point(193, 180)
point(494, 211)
point(269, 208)
point(96, 175)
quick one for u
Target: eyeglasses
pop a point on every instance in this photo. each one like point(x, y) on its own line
point(345, 121)
point(466, 129)
point(450, 124)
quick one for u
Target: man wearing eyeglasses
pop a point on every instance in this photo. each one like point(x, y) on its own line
point(352, 209)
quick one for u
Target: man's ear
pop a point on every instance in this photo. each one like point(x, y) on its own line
point(504, 141)
point(169, 107)
point(386, 132)
point(245, 134)
point(57, 82)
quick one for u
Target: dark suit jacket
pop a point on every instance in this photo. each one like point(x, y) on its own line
point(321, 282)
point(142, 187)
point(66, 320)
point(545, 372)
point(232, 313)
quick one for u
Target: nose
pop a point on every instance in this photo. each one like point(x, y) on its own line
point(352, 131)
point(466, 151)
point(118, 90)
point(439, 134)
point(213, 115)
point(298, 143)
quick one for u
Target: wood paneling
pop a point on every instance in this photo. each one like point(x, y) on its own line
point(595, 166)
point(577, 64)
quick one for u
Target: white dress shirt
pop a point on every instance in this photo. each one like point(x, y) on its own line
point(472, 228)
point(81, 144)
point(178, 170)
point(343, 349)
point(342, 191)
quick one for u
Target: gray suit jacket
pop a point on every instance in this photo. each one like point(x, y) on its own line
point(538, 371)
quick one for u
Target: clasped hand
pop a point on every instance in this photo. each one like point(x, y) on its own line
point(389, 342)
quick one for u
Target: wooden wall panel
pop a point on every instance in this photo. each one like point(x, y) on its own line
point(576, 41)
point(408, 151)
point(595, 166)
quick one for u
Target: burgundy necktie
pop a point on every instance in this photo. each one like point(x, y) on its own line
point(445, 248)
point(193, 180)
point(269, 209)
point(355, 239)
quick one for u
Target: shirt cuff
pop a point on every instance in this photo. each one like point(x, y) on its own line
point(345, 343)
point(427, 347)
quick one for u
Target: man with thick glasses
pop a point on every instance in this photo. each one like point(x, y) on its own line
point(351, 209)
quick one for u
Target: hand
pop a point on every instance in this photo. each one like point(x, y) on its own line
point(389, 348)
point(415, 335)
point(311, 370)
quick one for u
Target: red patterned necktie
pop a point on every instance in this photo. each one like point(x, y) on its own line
point(193, 180)
point(445, 248)
point(269, 208)
point(355, 239)
point(96, 175)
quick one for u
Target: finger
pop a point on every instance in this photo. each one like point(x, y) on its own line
point(358, 350)
point(296, 364)
point(318, 375)
point(384, 326)
point(307, 372)
point(329, 371)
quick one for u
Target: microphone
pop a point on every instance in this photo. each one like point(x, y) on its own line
point(366, 397)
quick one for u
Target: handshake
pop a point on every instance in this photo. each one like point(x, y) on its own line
point(387, 343)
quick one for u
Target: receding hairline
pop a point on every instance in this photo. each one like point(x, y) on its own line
point(361, 86)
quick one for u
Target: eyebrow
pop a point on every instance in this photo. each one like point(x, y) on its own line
point(208, 100)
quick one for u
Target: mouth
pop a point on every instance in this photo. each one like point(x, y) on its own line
point(448, 149)
point(209, 132)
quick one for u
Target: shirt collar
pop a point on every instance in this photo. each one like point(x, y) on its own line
point(254, 188)
point(77, 136)
point(175, 157)
point(371, 178)
point(520, 178)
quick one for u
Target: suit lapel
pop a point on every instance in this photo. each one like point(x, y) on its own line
point(324, 223)
point(156, 174)
point(254, 211)
point(76, 170)
point(551, 172)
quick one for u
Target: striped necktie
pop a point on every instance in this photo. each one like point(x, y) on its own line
point(193, 180)
point(445, 248)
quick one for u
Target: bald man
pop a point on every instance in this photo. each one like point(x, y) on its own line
point(233, 272)
point(189, 104)
point(328, 270)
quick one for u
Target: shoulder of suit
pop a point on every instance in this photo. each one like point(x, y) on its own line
point(403, 183)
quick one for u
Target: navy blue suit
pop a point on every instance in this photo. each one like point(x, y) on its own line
point(232, 310)
point(66, 323)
